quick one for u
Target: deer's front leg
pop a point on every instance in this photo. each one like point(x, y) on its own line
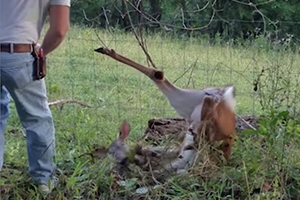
point(195, 119)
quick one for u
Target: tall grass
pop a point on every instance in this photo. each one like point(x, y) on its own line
point(117, 92)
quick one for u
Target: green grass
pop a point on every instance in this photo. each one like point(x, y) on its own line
point(118, 92)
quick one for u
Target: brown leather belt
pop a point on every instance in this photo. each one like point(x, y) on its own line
point(16, 48)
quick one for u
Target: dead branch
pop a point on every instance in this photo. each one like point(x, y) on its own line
point(182, 16)
point(264, 17)
point(191, 67)
point(65, 101)
point(93, 19)
point(136, 36)
point(167, 26)
point(244, 121)
point(201, 9)
point(191, 73)
point(105, 15)
point(100, 39)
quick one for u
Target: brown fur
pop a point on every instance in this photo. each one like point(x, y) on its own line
point(218, 122)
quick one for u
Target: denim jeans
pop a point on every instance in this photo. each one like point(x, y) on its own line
point(32, 107)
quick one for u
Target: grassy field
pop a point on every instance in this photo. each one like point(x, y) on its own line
point(117, 92)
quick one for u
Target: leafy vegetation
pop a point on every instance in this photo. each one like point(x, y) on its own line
point(228, 18)
point(265, 163)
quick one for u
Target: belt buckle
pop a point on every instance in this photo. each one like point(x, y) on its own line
point(11, 47)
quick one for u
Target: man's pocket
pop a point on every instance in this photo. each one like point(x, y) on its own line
point(19, 75)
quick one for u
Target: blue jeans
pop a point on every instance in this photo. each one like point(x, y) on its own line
point(32, 107)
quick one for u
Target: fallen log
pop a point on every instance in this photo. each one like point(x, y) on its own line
point(159, 127)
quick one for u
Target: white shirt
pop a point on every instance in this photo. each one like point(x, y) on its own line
point(21, 21)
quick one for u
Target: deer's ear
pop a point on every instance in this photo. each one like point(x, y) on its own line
point(124, 130)
point(207, 107)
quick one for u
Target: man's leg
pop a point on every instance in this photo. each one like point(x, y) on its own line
point(35, 115)
point(4, 110)
point(36, 118)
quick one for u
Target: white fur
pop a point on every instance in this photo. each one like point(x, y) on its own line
point(187, 157)
point(229, 98)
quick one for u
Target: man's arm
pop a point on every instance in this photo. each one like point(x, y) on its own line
point(59, 26)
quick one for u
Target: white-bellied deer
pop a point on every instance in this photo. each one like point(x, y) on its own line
point(187, 103)
point(217, 124)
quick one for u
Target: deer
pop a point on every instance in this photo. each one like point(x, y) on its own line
point(217, 124)
point(218, 121)
point(188, 103)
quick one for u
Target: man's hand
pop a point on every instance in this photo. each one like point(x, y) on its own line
point(37, 47)
point(59, 26)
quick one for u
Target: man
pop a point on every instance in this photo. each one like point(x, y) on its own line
point(21, 22)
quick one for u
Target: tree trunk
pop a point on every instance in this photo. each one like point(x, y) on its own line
point(155, 12)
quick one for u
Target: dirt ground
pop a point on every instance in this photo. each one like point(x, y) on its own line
point(157, 128)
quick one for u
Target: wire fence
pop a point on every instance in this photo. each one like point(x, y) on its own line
point(117, 92)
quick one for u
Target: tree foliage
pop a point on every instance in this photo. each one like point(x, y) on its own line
point(227, 18)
